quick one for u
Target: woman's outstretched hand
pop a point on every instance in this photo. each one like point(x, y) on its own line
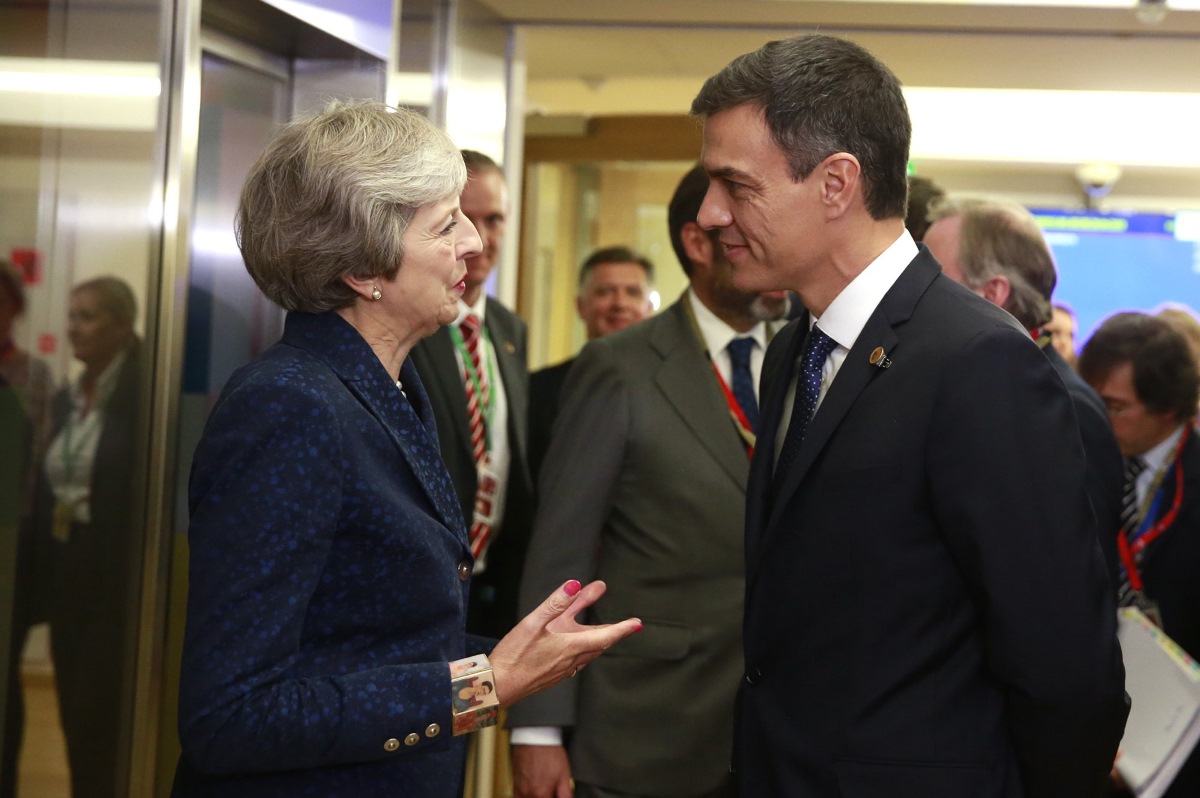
point(549, 645)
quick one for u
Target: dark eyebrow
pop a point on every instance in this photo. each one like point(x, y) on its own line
point(729, 173)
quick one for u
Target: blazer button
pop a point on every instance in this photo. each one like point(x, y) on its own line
point(753, 676)
point(464, 571)
point(412, 739)
point(433, 730)
point(391, 745)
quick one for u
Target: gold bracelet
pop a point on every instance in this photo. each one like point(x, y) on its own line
point(473, 694)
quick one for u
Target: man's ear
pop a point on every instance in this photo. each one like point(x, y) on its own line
point(996, 289)
point(840, 183)
point(696, 243)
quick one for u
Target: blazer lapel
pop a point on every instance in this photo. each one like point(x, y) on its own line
point(512, 369)
point(447, 387)
point(686, 380)
point(776, 378)
point(341, 347)
point(857, 371)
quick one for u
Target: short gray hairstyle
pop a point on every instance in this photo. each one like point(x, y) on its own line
point(1002, 238)
point(332, 195)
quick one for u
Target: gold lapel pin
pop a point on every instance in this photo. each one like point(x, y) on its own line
point(879, 358)
point(510, 347)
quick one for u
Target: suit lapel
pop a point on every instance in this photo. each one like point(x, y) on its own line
point(778, 368)
point(852, 377)
point(686, 380)
point(512, 368)
point(446, 388)
point(340, 346)
point(857, 371)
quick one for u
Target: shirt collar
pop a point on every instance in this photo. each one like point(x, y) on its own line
point(1160, 455)
point(716, 333)
point(105, 383)
point(846, 316)
point(479, 309)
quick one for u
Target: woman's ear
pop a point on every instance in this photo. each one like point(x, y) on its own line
point(366, 287)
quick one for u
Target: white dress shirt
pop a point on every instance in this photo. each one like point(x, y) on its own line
point(717, 335)
point(1157, 459)
point(71, 457)
point(847, 315)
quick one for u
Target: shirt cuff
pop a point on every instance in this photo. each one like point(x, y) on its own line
point(537, 735)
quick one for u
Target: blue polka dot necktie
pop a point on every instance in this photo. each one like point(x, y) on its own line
point(742, 380)
point(808, 390)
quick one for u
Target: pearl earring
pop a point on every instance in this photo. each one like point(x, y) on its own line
point(376, 295)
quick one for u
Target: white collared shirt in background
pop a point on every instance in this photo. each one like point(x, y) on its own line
point(717, 335)
point(1157, 458)
point(71, 457)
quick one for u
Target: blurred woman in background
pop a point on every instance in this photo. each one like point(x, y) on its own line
point(88, 520)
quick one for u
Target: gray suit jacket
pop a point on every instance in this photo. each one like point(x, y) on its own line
point(644, 487)
point(494, 592)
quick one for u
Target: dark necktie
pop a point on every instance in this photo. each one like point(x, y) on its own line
point(1130, 520)
point(808, 390)
point(742, 380)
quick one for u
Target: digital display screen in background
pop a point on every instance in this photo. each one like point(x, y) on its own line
point(1110, 262)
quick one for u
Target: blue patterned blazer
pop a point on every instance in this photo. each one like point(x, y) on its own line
point(328, 582)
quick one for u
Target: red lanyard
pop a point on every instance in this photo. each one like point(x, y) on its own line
point(1130, 551)
point(735, 410)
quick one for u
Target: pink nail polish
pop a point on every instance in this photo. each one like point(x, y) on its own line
point(639, 628)
point(572, 587)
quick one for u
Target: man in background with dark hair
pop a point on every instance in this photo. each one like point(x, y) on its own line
point(927, 609)
point(923, 194)
point(614, 293)
point(1144, 371)
point(478, 383)
point(644, 487)
point(996, 249)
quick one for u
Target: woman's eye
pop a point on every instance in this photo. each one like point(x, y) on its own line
point(450, 227)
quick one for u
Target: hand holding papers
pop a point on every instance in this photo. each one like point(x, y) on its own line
point(1164, 721)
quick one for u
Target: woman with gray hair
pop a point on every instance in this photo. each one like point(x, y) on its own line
point(330, 566)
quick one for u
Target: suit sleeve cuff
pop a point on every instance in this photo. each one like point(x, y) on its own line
point(537, 735)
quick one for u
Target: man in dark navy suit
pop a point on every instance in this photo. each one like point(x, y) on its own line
point(927, 611)
point(996, 249)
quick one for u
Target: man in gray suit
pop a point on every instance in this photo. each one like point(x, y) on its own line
point(644, 487)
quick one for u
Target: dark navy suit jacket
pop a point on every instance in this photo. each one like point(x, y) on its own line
point(1105, 467)
point(926, 613)
point(327, 582)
